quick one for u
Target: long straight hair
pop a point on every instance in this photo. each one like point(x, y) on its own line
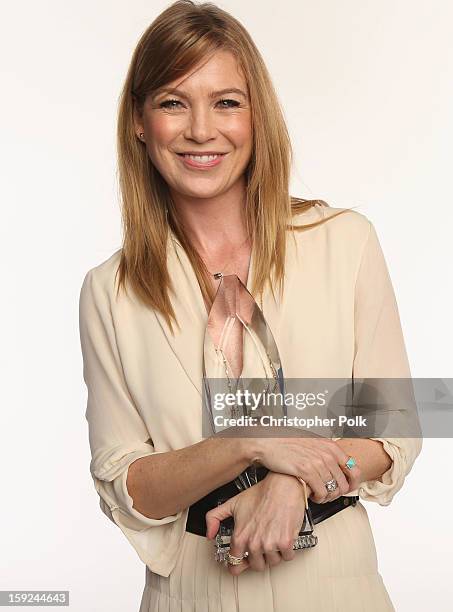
point(170, 47)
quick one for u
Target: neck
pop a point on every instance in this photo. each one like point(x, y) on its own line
point(213, 223)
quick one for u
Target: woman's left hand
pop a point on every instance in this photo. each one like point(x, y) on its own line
point(267, 519)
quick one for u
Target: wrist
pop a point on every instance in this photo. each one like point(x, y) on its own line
point(251, 450)
point(286, 487)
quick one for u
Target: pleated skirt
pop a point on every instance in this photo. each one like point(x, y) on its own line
point(340, 574)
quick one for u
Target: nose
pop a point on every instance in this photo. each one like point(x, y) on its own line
point(200, 125)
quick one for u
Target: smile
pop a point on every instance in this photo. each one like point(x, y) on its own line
point(201, 161)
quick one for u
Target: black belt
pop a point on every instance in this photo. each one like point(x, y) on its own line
point(196, 522)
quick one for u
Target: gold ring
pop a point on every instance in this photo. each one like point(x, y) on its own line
point(232, 560)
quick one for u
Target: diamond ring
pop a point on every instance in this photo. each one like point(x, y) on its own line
point(232, 560)
point(331, 485)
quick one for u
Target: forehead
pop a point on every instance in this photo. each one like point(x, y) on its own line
point(218, 72)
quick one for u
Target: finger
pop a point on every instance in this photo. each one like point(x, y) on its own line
point(317, 479)
point(326, 475)
point(337, 475)
point(287, 551)
point(288, 554)
point(238, 545)
point(256, 561)
point(235, 570)
point(317, 486)
point(340, 477)
point(215, 516)
point(332, 470)
point(273, 557)
point(353, 475)
point(255, 556)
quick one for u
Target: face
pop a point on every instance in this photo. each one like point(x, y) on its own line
point(198, 130)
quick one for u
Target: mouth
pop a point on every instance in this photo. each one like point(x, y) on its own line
point(206, 160)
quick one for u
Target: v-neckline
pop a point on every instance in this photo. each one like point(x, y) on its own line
point(186, 338)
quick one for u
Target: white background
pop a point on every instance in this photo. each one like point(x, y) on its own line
point(366, 88)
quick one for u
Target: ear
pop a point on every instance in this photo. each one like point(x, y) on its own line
point(137, 113)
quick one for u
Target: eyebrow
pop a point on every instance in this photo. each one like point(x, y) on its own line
point(212, 94)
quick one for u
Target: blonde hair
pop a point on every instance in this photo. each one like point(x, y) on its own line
point(169, 48)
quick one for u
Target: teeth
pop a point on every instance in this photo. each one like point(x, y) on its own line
point(202, 159)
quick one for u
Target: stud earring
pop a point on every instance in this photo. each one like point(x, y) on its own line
point(141, 135)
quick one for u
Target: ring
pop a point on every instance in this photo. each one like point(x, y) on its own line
point(350, 463)
point(232, 560)
point(331, 485)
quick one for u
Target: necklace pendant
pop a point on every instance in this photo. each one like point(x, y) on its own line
point(218, 275)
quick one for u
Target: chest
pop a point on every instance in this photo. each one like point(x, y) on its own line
point(312, 323)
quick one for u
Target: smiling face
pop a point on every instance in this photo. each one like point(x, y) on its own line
point(205, 114)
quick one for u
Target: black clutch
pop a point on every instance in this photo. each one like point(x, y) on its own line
point(314, 513)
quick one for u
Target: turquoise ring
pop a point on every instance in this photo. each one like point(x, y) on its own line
point(350, 463)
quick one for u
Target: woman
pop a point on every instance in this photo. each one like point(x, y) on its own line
point(204, 161)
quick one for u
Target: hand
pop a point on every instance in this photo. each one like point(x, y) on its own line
point(267, 519)
point(315, 459)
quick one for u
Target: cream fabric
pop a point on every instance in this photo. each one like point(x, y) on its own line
point(340, 574)
point(338, 316)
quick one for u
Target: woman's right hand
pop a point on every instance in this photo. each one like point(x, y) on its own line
point(315, 459)
point(267, 519)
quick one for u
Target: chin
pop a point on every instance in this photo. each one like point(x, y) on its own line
point(200, 192)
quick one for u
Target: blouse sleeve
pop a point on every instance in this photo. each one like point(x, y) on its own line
point(117, 434)
point(380, 352)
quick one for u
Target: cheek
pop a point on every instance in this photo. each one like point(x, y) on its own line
point(162, 128)
point(240, 132)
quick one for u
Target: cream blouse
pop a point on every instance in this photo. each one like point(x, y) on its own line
point(338, 317)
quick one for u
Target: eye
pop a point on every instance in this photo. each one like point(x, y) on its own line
point(169, 104)
point(227, 103)
point(173, 104)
